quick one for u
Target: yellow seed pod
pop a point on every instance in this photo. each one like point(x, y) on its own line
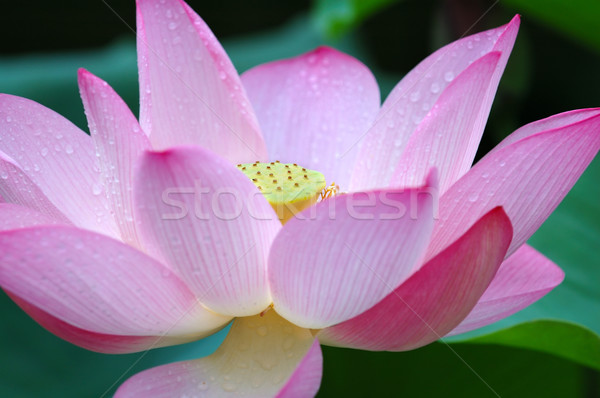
point(289, 188)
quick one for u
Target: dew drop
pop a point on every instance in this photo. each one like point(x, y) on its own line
point(222, 75)
point(227, 386)
point(288, 344)
point(96, 189)
point(473, 197)
point(262, 331)
point(435, 88)
point(172, 25)
point(414, 97)
point(44, 151)
point(69, 149)
point(449, 76)
point(3, 175)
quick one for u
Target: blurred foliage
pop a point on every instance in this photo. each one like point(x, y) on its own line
point(336, 17)
point(548, 73)
point(576, 18)
point(579, 19)
point(566, 340)
point(462, 370)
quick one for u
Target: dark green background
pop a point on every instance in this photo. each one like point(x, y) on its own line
point(554, 68)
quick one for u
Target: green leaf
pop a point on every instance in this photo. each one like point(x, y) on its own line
point(577, 18)
point(336, 17)
point(457, 370)
point(566, 340)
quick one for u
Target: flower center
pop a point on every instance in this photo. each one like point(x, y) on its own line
point(289, 188)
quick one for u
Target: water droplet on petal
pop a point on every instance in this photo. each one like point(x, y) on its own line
point(228, 386)
point(449, 76)
point(96, 189)
point(262, 331)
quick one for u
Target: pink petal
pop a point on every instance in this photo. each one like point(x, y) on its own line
point(340, 257)
point(58, 158)
point(261, 357)
point(550, 123)
point(119, 141)
point(18, 188)
point(210, 223)
point(527, 177)
point(433, 300)
point(414, 97)
point(105, 343)
point(522, 279)
point(190, 92)
point(306, 379)
point(448, 136)
point(311, 106)
point(99, 284)
point(14, 217)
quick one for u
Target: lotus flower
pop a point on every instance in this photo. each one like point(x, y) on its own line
point(137, 236)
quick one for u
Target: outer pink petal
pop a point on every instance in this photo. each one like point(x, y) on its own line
point(99, 284)
point(414, 97)
point(190, 92)
point(58, 158)
point(261, 357)
point(550, 123)
point(522, 279)
point(306, 379)
point(106, 343)
point(18, 188)
point(119, 141)
point(14, 217)
point(310, 107)
point(209, 222)
point(528, 178)
point(448, 136)
point(436, 298)
point(340, 257)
